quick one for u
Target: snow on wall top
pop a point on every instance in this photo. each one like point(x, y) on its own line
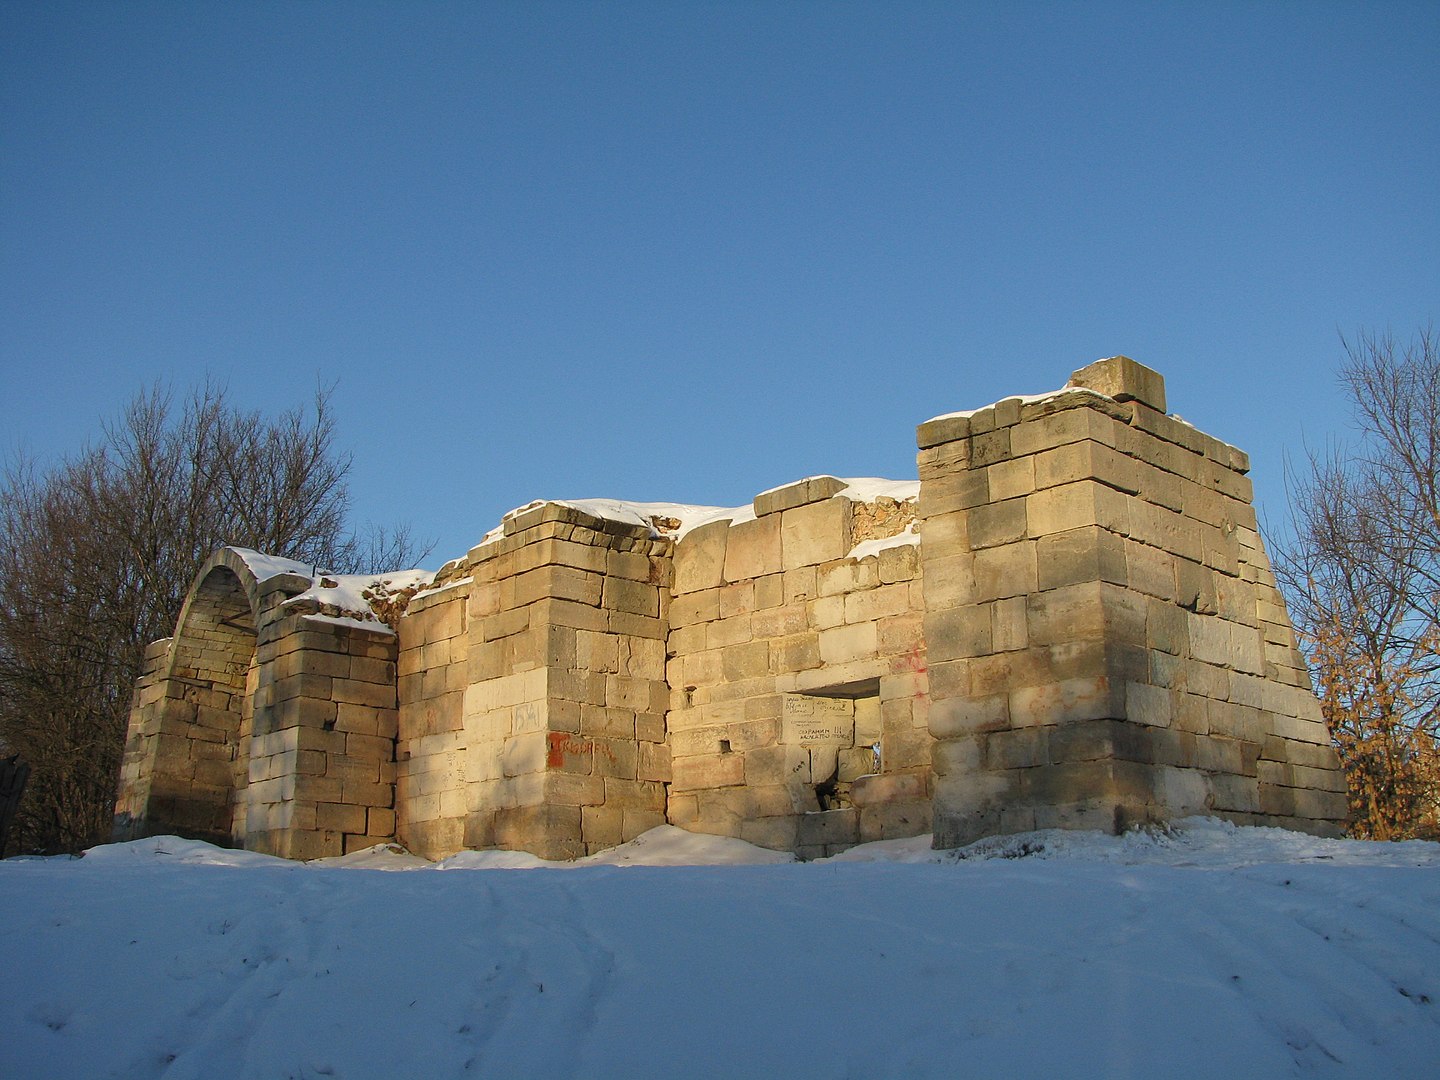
point(659, 516)
point(352, 593)
point(656, 516)
point(869, 488)
point(910, 536)
point(1024, 399)
point(370, 600)
point(265, 567)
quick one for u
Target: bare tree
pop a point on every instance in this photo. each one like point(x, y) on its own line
point(95, 558)
point(1362, 579)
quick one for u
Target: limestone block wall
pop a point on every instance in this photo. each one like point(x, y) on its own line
point(433, 670)
point(1106, 643)
point(185, 763)
point(539, 723)
point(257, 724)
point(322, 755)
point(790, 662)
point(142, 759)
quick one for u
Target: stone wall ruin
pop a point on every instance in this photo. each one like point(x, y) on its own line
point(1069, 621)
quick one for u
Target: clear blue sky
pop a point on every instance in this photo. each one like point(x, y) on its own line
point(689, 251)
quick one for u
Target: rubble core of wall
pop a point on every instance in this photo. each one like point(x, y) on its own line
point(1106, 641)
point(543, 727)
point(773, 619)
point(379, 599)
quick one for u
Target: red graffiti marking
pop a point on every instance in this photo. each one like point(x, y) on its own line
point(917, 665)
point(562, 743)
point(913, 661)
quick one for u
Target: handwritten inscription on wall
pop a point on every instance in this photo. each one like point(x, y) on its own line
point(817, 721)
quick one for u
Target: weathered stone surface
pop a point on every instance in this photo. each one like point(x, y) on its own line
point(1088, 635)
point(943, 430)
point(700, 558)
point(753, 550)
point(816, 533)
point(708, 771)
point(1123, 379)
point(800, 493)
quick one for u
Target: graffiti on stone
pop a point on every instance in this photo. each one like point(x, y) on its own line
point(818, 721)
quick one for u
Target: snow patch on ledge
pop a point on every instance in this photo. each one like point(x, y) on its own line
point(342, 592)
point(658, 516)
point(1024, 399)
point(655, 516)
point(346, 592)
point(867, 548)
point(375, 626)
point(265, 567)
point(341, 599)
point(689, 515)
point(438, 589)
point(858, 488)
point(867, 489)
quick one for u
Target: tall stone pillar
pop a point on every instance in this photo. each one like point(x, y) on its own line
point(321, 759)
point(1106, 644)
point(565, 708)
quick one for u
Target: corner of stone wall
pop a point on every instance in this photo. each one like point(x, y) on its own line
point(322, 752)
point(562, 708)
point(1106, 643)
point(432, 671)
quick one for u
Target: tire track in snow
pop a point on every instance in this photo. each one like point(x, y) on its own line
point(598, 961)
point(219, 1026)
point(492, 994)
point(536, 1006)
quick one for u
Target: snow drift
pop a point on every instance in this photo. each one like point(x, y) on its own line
point(1205, 951)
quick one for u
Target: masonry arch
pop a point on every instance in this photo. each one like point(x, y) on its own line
point(209, 706)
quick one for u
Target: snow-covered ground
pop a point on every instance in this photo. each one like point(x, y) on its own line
point(1207, 951)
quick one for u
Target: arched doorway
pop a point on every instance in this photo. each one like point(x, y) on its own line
point(210, 705)
point(187, 755)
point(280, 740)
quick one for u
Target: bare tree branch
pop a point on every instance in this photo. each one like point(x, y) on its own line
point(1362, 578)
point(96, 555)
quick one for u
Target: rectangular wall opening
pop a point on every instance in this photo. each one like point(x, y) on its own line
point(839, 726)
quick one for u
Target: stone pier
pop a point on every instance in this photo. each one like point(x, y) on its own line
point(1107, 645)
